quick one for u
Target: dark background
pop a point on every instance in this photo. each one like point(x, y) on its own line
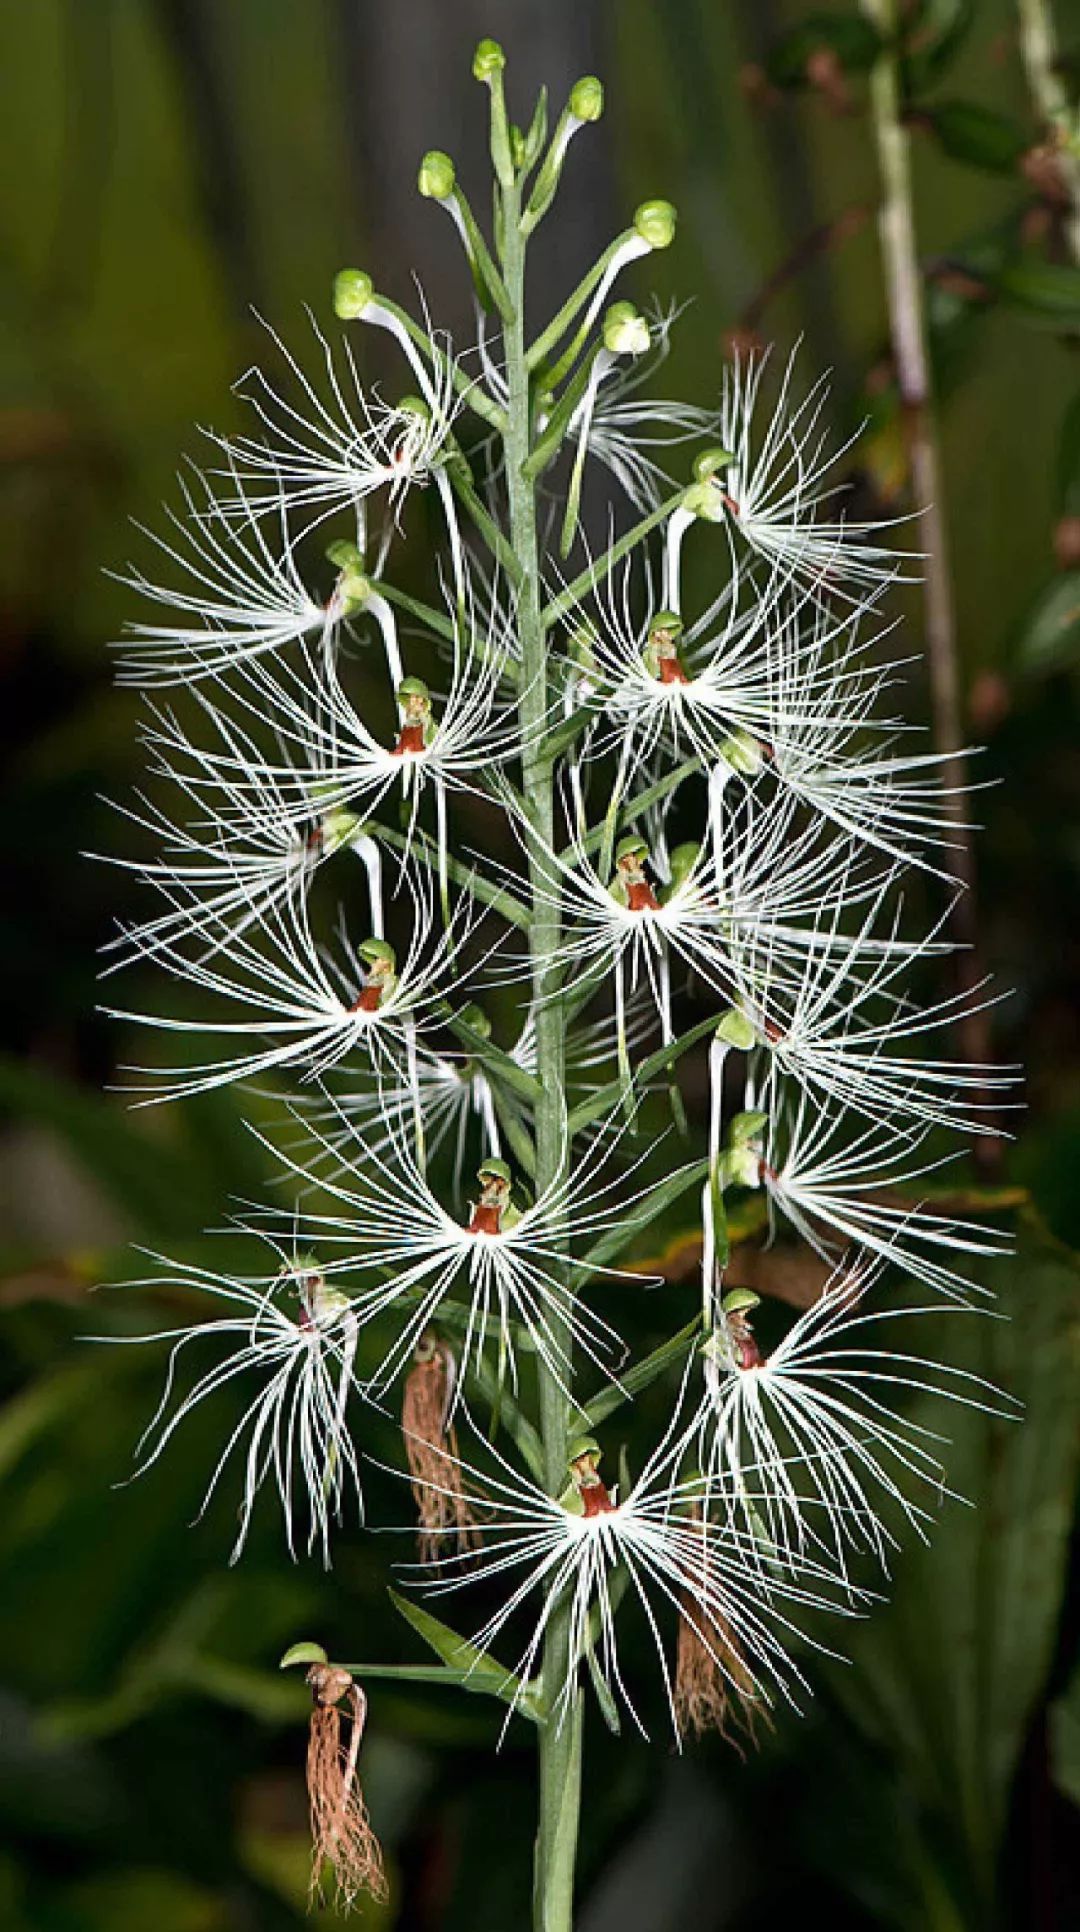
point(168, 165)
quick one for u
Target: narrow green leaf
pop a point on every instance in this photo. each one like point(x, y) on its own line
point(607, 1097)
point(670, 1354)
point(1044, 293)
point(478, 1670)
point(641, 1216)
point(491, 1057)
point(949, 1674)
point(633, 807)
point(432, 619)
point(609, 1710)
point(497, 897)
point(589, 579)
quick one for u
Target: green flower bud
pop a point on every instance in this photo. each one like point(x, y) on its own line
point(345, 556)
point(655, 223)
point(626, 333)
point(436, 178)
point(488, 59)
point(353, 590)
point(711, 462)
point(353, 290)
point(517, 146)
point(735, 1030)
point(587, 98)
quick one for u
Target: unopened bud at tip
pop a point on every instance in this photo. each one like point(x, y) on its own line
point(488, 60)
point(626, 332)
point(353, 290)
point(436, 177)
point(655, 223)
point(587, 98)
point(711, 462)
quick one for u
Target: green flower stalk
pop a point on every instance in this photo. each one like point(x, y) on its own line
point(473, 1037)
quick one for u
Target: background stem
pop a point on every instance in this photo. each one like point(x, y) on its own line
point(559, 1742)
point(1039, 48)
point(904, 293)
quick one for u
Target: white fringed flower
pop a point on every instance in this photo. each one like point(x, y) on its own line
point(297, 1337)
point(240, 592)
point(820, 1425)
point(684, 690)
point(832, 1176)
point(779, 477)
point(250, 840)
point(291, 1002)
point(829, 745)
point(850, 1039)
point(335, 448)
point(510, 1261)
point(763, 883)
point(580, 1547)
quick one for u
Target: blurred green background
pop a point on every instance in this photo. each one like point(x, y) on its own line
point(168, 166)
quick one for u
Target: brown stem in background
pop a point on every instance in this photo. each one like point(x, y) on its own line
point(904, 292)
point(820, 241)
point(1039, 51)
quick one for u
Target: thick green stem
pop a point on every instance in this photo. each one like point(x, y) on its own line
point(559, 1744)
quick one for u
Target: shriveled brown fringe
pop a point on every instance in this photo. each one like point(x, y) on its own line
point(714, 1686)
point(446, 1518)
point(341, 1834)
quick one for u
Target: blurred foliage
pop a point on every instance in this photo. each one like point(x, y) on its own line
point(169, 164)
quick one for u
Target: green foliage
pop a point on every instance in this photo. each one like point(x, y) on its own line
point(475, 1670)
point(1049, 637)
point(947, 1678)
point(149, 1753)
point(981, 136)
